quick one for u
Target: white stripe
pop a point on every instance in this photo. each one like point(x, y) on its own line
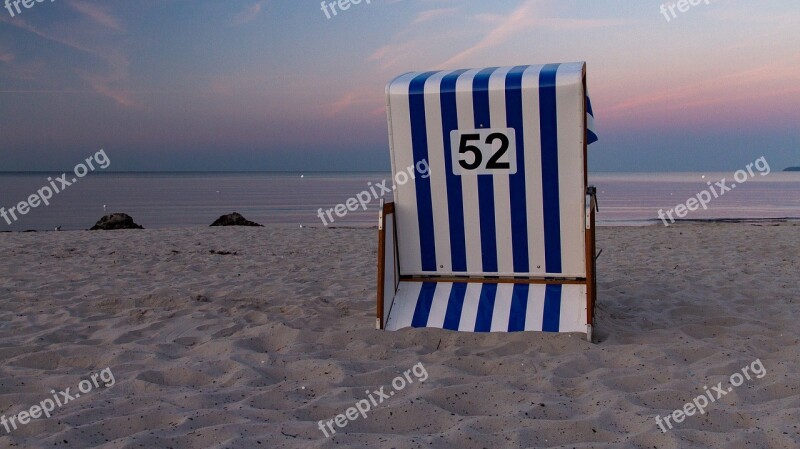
point(438, 178)
point(469, 184)
point(502, 197)
point(402, 312)
point(405, 197)
point(570, 101)
point(439, 306)
point(469, 313)
point(534, 314)
point(502, 308)
point(573, 309)
point(533, 170)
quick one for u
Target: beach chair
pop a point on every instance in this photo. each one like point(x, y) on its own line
point(492, 228)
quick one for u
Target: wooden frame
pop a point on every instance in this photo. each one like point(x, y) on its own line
point(386, 209)
point(589, 234)
point(494, 280)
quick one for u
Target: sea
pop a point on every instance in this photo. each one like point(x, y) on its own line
point(176, 200)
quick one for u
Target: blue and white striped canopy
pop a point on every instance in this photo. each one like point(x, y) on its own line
point(524, 220)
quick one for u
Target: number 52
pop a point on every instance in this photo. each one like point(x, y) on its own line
point(484, 151)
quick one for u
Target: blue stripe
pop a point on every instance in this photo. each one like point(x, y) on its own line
point(519, 308)
point(591, 137)
point(480, 100)
point(455, 304)
point(549, 127)
point(552, 308)
point(424, 302)
point(455, 200)
point(419, 139)
point(483, 322)
point(516, 182)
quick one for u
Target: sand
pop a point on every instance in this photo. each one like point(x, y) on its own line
point(252, 344)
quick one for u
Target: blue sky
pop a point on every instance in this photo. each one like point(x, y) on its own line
point(276, 85)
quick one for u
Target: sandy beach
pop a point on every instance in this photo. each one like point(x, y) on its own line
point(248, 337)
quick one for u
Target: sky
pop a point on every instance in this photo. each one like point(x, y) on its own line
point(282, 85)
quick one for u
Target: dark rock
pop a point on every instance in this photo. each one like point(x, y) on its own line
point(200, 298)
point(223, 253)
point(115, 221)
point(234, 219)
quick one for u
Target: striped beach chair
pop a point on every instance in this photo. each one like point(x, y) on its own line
point(492, 224)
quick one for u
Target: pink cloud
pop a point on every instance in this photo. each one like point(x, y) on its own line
point(764, 94)
point(767, 80)
point(97, 14)
point(347, 101)
point(520, 19)
point(432, 14)
point(102, 87)
point(249, 14)
point(523, 19)
point(102, 82)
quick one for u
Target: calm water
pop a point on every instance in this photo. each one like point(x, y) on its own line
point(159, 200)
